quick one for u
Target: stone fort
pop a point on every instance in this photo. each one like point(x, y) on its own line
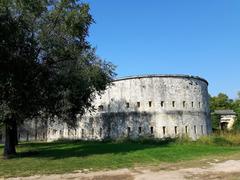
point(156, 106)
point(145, 106)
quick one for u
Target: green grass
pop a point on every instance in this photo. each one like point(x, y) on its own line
point(67, 156)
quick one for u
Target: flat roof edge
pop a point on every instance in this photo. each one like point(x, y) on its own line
point(161, 75)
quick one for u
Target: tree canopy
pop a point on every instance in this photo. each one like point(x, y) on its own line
point(220, 102)
point(47, 66)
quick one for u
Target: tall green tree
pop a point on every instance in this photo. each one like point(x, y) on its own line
point(236, 108)
point(47, 67)
point(220, 102)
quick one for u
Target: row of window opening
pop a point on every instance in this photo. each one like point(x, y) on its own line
point(140, 130)
point(162, 104)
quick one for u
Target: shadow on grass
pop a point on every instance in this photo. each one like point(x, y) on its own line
point(67, 149)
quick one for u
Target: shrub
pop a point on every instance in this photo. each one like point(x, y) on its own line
point(221, 138)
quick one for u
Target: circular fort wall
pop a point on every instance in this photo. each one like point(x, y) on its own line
point(154, 105)
point(157, 105)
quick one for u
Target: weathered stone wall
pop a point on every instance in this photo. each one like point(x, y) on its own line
point(157, 106)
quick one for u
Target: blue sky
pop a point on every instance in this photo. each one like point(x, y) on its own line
point(196, 37)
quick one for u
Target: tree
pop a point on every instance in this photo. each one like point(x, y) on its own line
point(236, 108)
point(220, 102)
point(47, 67)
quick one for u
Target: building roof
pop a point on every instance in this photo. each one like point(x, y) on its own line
point(225, 112)
point(163, 75)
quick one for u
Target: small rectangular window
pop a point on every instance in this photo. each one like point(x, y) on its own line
point(173, 103)
point(186, 129)
point(100, 133)
point(36, 135)
point(199, 104)
point(150, 103)
point(54, 131)
point(162, 103)
point(109, 131)
point(164, 130)
point(176, 129)
point(151, 130)
point(195, 129)
point(92, 131)
point(202, 129)
point(139, 130)
point(100, 108)
point(128, 131)
point(127, 105)
point(138, 104)
point(61, 133)
point(82, 133)
point(184, 104)
point(192, 104)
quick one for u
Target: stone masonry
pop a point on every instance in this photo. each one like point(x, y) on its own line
point(157, 106)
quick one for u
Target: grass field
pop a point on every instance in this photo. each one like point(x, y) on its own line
point(67, 156)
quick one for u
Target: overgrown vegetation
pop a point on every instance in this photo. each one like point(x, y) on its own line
point(68, 156)
point(223, 102)
point(221, 139)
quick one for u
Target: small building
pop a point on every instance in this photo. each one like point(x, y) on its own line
point(227, 118)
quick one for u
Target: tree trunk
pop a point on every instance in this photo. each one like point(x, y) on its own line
point(10, 138)
point(15, 131)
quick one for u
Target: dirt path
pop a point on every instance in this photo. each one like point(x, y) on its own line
point(227, 170)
